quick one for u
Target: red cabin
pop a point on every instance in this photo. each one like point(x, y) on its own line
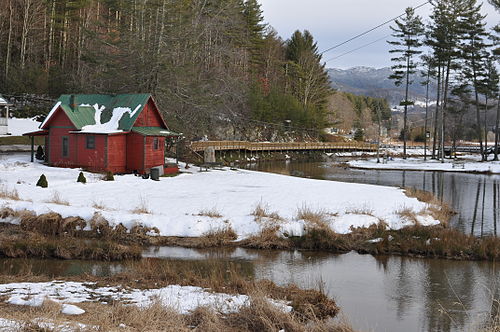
point(117, 133)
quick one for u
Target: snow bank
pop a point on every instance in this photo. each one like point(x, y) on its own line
point(415, 164)
point(177, 204)
point(183, 299)
point(17, 127)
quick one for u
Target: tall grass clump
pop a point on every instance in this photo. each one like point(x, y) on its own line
point(217, 237)
point(438, 209)
point(57, 199)
point(142, 208)
point(262, 212)
point(6, 193)
point(211, 213)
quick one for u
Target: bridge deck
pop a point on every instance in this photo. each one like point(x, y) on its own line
point(269, 146)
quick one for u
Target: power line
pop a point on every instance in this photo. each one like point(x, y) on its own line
point(357, 49)
point(372, 29)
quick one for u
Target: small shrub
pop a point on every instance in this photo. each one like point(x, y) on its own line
point(42, 182)
point(109, 176)
point(81, 178)
point(40, 155)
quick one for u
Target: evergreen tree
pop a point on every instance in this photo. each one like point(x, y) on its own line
point(255, 30)
point(408, 33)
point(310, 82)
point(473, 51)
point(443, 39)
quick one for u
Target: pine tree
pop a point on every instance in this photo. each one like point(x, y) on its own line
point(443, 39)
point(310, 82)
point(255, 30)
point(473, 51)
point(408, 33)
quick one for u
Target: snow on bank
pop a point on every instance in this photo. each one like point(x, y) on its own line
point(183, 299)
point(414, 164)
point(178, 205)
point(17, 127)
point(383, 151)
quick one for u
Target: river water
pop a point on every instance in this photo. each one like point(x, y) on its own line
point(383, 293)
point(476, 197)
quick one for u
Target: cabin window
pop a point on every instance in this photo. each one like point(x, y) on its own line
point(156, 143)
point(65, 146)
point(90, 142)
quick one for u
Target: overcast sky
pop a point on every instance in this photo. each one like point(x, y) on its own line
point(334, 21)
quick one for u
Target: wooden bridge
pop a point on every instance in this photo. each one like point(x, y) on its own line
point(200, 146)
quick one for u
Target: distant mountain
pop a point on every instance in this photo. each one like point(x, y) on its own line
point(373, 82)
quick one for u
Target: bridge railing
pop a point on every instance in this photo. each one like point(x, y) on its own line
point(273, 146)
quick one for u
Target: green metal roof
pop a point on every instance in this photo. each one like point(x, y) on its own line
point(81, 112)
point(154, 131)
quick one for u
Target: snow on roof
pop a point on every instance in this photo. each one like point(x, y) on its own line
point(52, 111)
point(3, 101)
point(113, 124)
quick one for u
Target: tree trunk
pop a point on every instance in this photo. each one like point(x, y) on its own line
point(496, 127)
point(436, 113)
point(485, 129)
point(426, 111)
point(9, 42)
point(405, 121)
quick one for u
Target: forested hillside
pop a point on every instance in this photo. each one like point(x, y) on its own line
point(209, 64)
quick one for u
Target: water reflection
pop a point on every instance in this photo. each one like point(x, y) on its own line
point(474, 196)
point(384, 293)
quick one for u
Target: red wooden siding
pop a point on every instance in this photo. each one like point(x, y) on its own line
point(92, 159)
point(135, 155)
point(117, 153)
point(149, 117)
point(154, 157)
point(60, 126)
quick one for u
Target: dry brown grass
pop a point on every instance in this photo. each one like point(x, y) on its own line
point(262, 212)
point(408, 214)
point(57, 199)
point(258, 316)
point(12, 194)
point(211, 213)
point(363, 210)
point(315, 218)
point(98, 205)
point(438, 209)
point(267, 238)
point(217, 237)
point(142, 208)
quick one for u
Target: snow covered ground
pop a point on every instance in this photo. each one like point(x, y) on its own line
point(464, 165)
point(388, 151)
point(188, 204)
point(183, 299)
point(17, 127)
